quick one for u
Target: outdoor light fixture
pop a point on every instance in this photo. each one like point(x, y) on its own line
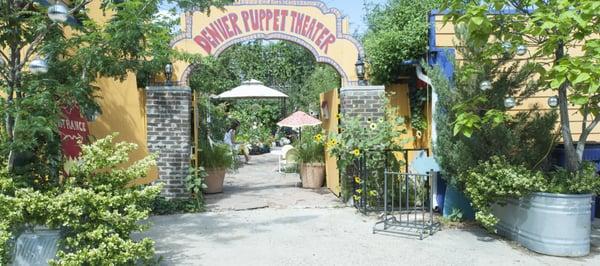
point(521, 50)
point(360, 69)
point(168, 73)
point(553, 101)
point(485, 85)
point(38, 66)
point(58, 13)
point(509, 102)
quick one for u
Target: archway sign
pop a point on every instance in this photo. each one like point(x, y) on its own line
point(310, 24)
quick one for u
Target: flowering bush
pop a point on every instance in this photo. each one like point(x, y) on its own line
point(310, 148)
point(369, 141)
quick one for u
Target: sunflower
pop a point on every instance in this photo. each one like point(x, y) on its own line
point(369, 120)
point(338, 116)
point(356, 152)
point(373, 126)
point(318, 138)
point(332, 143)
point(380, 120)
point(357, 179)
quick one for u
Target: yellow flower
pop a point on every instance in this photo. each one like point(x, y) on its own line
point(373, 126)
point(380, 120)
point(338, 116)
point(318, 138)
point(357, 179)
point(332, 143)
point(356, 152)
point(373, 193)
point(369, 120)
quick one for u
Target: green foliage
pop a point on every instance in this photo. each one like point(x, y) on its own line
point(554, 27)
point(456, 215)
point(487, 130)
point(257, 119)
point(495, 180)
point(397, 32)
point(287, 67)
point(97, 207)
point(369, 140)
point(215, 156)
point(418, 101)
point(163, 206)
point(194, 183)
point(311, 147)
point(583, 182)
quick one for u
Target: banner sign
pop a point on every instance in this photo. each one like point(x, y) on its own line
point(260, 20)
point(73, 128)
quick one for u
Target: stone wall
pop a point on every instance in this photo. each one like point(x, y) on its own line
point(364, 101)
point(169, 134)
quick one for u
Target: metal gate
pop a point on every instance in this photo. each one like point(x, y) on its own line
point(405, 199)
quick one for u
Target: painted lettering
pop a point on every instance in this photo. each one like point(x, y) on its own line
point(321, 37)
point(263, 15)
point(233, 18)
point(225, 20)
point(311, 29)
point(204, 34)
point(203, 43)
point(294, 15)
point(284, 14)
point(245, 18)
point(269, 17)
point(254, 19)
point(212, 30)
point(299, 23)
point(276, 13)
point(222, 29)
point(330, 39)
point(320, 26)
point(305, 24)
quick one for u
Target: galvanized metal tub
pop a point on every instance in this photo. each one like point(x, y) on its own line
point(551, 224)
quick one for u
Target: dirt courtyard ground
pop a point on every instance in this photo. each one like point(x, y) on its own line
point(263, 218)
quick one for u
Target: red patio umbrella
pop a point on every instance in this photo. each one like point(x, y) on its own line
point(299, 119)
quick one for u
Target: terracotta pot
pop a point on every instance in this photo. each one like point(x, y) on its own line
point(312, 175)
point(214, 180)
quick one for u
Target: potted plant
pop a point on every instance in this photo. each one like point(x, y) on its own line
point(547, 212)
point(310, 152)
point(216, 159)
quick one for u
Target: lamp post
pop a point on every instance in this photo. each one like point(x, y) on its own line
point(168, 73)
point(360, 70)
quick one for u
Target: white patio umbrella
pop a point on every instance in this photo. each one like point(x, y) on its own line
point(251, 89)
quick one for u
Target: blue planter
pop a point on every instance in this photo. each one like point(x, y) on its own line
point(440, 193)
point(455, 199)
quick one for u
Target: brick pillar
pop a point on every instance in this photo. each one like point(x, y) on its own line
point(168, 111)
point(362, 101)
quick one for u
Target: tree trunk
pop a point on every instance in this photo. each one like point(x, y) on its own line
point(572, 161)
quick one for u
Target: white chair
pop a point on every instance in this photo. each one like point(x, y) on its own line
point(286, 156)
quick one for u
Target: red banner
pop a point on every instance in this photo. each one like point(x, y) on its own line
point(73, 128)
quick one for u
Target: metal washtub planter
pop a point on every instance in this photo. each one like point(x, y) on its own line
point(551, 224)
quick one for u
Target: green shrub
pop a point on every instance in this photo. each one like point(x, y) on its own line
point(583, 182)
point(311, 148)
point(97, 207)
point(217, 155)
point(494, 181)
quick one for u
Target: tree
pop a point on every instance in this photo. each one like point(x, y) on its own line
point(556, 28)
point(131, 40)
point(397, 32)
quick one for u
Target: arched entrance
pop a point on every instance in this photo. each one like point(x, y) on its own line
point(323, 31)
point(311, 24)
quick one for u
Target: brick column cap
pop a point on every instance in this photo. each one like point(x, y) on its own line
point(362, 88)
point(169, 88)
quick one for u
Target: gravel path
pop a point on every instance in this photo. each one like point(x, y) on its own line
point(264, 219)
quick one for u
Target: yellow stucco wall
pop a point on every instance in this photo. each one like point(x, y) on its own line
point(331, 124)
point(445, 38)
point(123, 107)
